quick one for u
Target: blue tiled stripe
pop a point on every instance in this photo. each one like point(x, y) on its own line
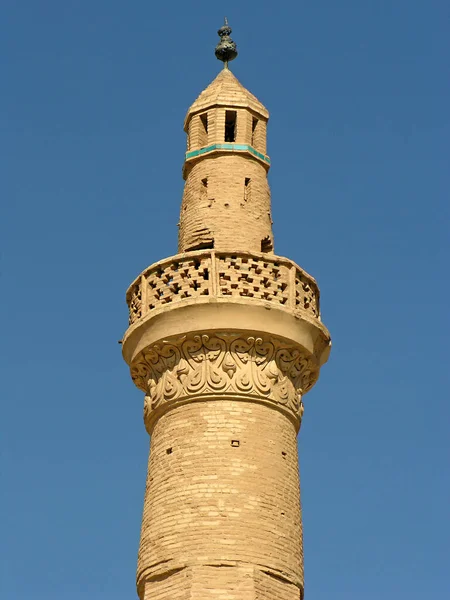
point(229, 147)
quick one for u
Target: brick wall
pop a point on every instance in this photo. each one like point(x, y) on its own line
point(224, 214)
point(220, 583)
point(222, 489)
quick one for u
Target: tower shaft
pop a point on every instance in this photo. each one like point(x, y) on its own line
point(224, 339)
point(222, 503)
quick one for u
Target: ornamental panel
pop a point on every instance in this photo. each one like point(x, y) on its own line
point(219, 365)
point(262, 278)
point(177, 280)
point(253, 278)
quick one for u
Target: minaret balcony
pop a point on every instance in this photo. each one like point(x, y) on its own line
point(209, 289)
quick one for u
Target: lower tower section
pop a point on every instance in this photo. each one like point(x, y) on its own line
point(222, 498)
point(222, 503)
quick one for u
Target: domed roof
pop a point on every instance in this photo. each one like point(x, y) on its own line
point(226, 90)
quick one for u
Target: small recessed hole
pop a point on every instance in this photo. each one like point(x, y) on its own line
point(169, 451)
point(235, 443)
point(282, 514)
point(284, 454)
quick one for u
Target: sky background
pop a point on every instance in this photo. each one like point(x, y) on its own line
point(93, 98)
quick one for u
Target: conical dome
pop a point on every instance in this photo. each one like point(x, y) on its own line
point(226, 90)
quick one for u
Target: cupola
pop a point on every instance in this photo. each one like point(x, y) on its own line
point(226, 202)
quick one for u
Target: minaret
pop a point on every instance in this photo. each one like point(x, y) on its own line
point(224, 339)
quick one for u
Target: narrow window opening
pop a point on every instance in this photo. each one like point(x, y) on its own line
point(204, 190)
point(204, 120)
point(266, 244)
point(169, 451)
point(230, 125)
point(203, 130)
point(254, 126)
point(283, 454)
point(247, 189)
point(235, 443)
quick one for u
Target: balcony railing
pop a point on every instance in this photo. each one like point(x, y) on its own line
point(205, 273)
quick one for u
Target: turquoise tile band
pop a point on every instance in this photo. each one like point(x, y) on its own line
point(229, 147)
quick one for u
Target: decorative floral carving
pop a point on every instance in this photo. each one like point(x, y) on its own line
point(227, 365)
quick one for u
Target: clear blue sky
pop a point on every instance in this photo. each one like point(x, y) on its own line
point(93, 98)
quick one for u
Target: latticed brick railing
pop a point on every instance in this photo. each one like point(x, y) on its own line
point(261, 277)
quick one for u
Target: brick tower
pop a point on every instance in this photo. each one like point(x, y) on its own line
point(224, 339)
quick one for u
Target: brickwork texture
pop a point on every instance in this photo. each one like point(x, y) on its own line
point(223, 489)
point(226, 204)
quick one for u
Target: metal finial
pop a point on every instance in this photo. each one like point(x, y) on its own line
point(226, 49)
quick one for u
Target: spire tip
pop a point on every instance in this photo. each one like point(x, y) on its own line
point(226, 49)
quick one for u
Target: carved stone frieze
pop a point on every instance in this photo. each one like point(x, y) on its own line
point(237, 365)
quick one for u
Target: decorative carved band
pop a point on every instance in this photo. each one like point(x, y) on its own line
point(241, 366)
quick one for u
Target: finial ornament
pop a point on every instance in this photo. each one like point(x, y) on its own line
point(226, 49)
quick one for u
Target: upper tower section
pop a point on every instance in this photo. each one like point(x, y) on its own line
point(226, 201)
point(224, 94)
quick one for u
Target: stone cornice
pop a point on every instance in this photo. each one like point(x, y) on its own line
point(228, 147)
